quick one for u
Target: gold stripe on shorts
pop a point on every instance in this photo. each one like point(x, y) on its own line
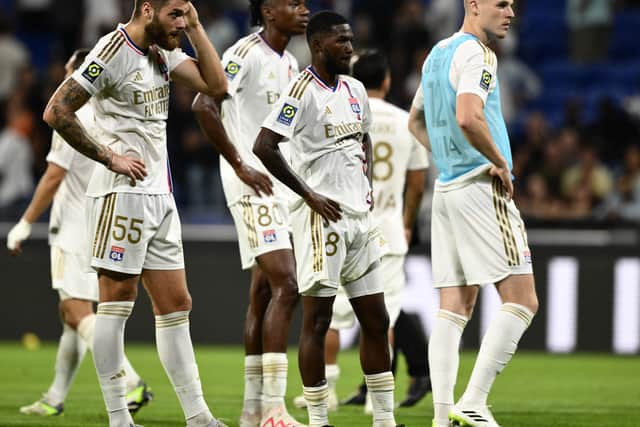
point(249, 221)
point(110, 212)
point(99, 226)
point(316, 240)
point(500, 206)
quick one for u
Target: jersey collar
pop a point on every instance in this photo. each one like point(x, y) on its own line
point(130, 42)
point(321, 82)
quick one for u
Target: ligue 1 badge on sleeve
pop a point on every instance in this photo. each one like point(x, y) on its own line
point(287, 114)
point(93, 71)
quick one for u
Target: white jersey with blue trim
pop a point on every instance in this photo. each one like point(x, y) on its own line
point(325, 126)
point(130, 100)
point(256, 75)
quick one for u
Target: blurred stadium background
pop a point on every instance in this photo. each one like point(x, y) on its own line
point(570, 80)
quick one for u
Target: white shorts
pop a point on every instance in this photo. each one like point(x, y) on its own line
point(477, 235)
point(72, 276)
point(131, 232)
point(335, 253)
point(393, 280)
point(262, 224)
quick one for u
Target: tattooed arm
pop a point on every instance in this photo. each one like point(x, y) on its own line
point(60, 114)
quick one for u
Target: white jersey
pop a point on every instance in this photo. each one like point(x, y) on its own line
point(67, 223)
point(325, 127)
point(395, 151)
point(256, 76)
point(130, 100)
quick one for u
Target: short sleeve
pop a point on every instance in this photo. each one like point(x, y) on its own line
point(60, 153)
point(235, 68)
point(284, 118)
point(418, 99)
point(474, 69)
point(419, 158)
point(101, 66)
point(175, 57)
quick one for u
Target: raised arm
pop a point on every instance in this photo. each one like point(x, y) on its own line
point(470, 118)
point(207, 112)
point(206, 75)
point(41, 200)
point(60, 115)
point(267, 150)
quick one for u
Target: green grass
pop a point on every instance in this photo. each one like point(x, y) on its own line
point(535, 390)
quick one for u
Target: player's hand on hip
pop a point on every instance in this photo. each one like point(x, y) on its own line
point(505, 176)
point(17, 234)
point(128, 166)
point(329, 209)
point(258, 181)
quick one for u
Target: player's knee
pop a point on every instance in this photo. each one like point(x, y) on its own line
point(377, 325)
point(319, 325)
point(286, 294)
point(182, 302)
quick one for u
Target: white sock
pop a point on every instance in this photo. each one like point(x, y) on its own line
point(498, 346)
point(108, 356)
point(381, 387)
point(317, 405)
point(85, 330)
point(176, 354)
point(71, 351)
point(274, 380)
point(332, 372)
point(444, 359)
point(252, 383)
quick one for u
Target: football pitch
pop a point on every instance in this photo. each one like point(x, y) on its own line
point(536, 389)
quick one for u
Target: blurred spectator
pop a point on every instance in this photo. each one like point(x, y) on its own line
point(624, 201)
point(221, 30)
point(588, 181)
point(444, 17)
point(101, 17)
point(614, 129)
point(536, 202)
point(518, 83)
point(15, 57)
point(16, 159)
point(590, 23)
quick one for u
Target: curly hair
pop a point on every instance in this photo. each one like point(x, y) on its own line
point(255, 10)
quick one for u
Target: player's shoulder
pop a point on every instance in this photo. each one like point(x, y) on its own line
point(473, 48)
point(387, 108)
point(353, 83)
point(110, 47)
point(299, 85)
point(244, 48)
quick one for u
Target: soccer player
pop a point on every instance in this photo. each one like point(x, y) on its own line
point(133, 221)
point(64, 183)
point(258, 69)
point(326, 117)
point(398, 159)
point(477, 234)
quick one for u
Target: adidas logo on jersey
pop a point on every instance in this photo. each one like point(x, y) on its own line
point(271, 76)
point(138, 77)
point(327, 110)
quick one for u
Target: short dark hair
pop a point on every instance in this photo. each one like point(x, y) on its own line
point(79, 55)
point(157, 4)
point(255, 12)
point(322, 22)
point(371, 68)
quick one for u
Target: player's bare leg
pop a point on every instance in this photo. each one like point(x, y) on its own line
point(259, 297)
point(279, 269)
point(315, 323)
point(456, 307)
point(374, 354)
point(500, 342)
point(171, 305)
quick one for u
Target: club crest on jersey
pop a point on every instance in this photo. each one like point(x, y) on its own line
point(287, 114)
point(485, 80)
point(117, 253)
point(232, 69)
point(269, 236)
point(355, 106)
point(93, 71)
